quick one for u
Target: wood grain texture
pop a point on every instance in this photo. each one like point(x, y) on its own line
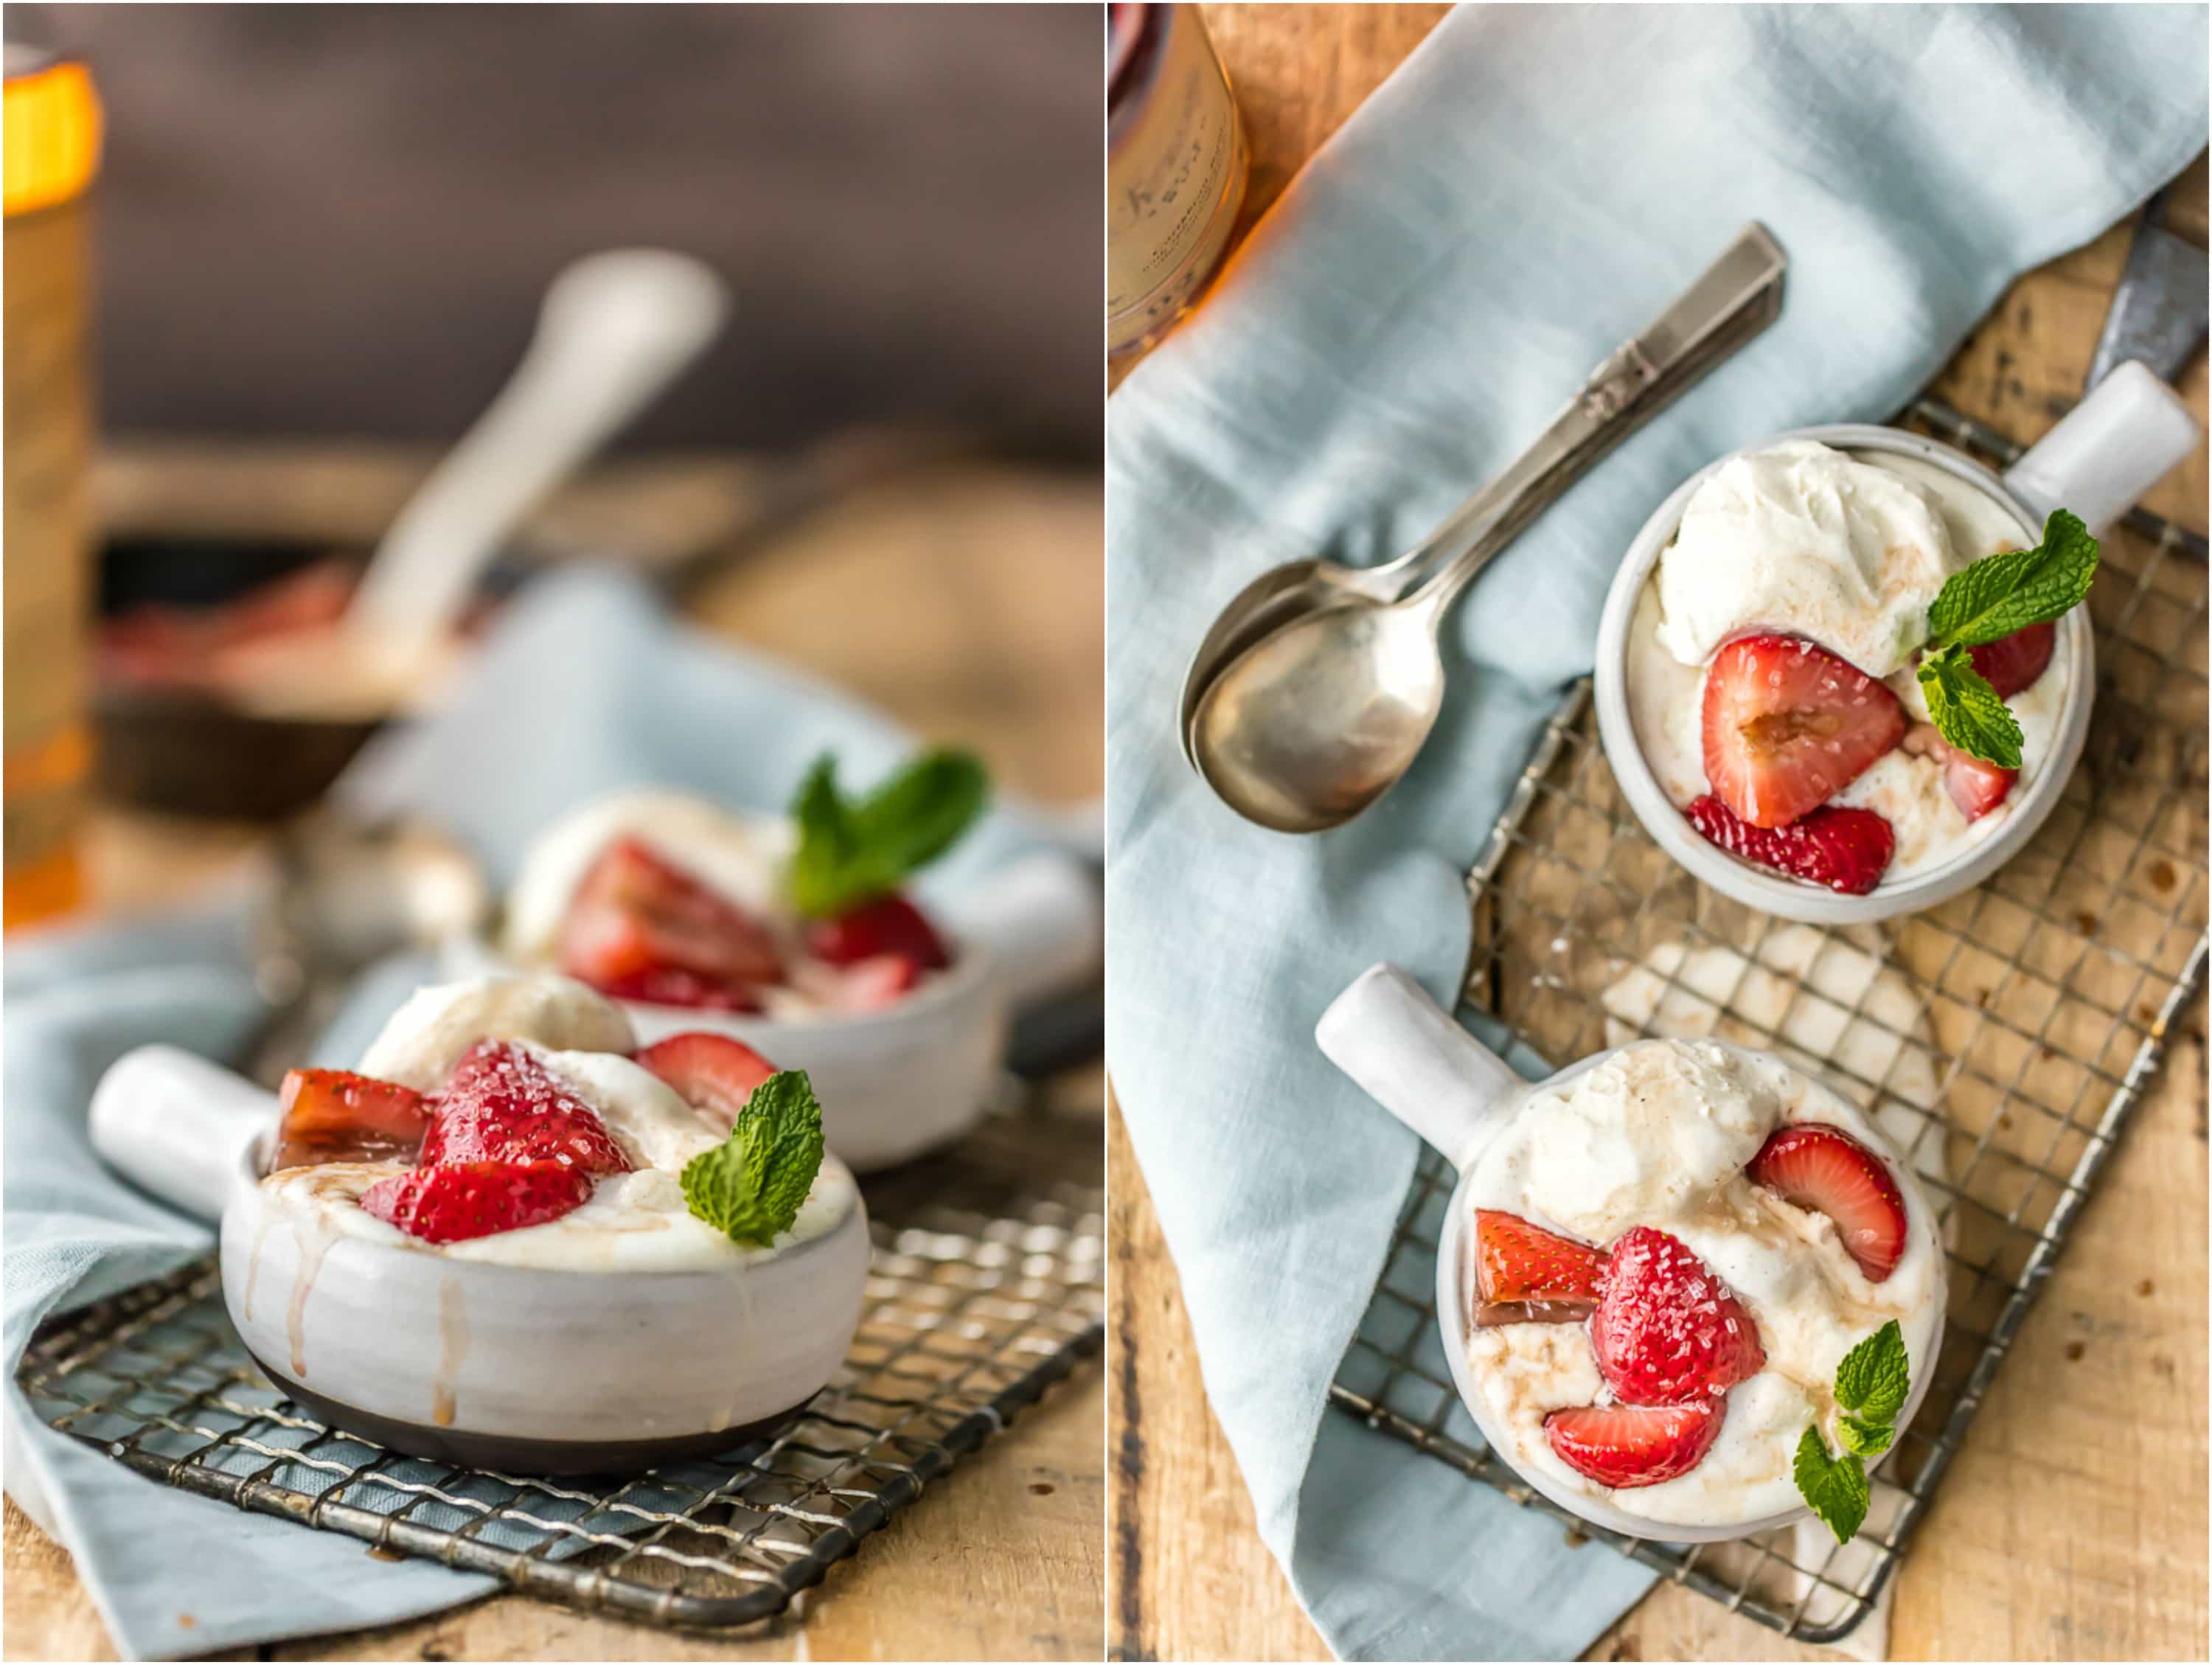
point(965, 598)
point(2060, 1531)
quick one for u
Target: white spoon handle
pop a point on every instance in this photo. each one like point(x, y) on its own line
point(615, 330)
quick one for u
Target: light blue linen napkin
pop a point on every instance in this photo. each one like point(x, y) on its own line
point(1528, 190)
point(585, 687)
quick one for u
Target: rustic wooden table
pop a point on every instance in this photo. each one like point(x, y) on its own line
point(965, 598)
point(2027, 1553)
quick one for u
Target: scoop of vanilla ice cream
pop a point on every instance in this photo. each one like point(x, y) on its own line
point(741, 856)
point(1627, 1141)
point(1807, 540)
point(421, 1042)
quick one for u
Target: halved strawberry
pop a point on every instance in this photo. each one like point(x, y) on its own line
point(888, 925)
point(1826, 1169)
point(1787, 725)
point(709, 1072)
point(1524, 1272)
point(2012, 663)
point(334, 1115)
point(1667, 1330)
point(635, 912)
point(1845, 849)
point(501, 1105)
point(1624, 1446)
point(475, 1199)
point(671, 985)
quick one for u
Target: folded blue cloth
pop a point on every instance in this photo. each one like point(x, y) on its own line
point(585, 687)
point(1528, 190)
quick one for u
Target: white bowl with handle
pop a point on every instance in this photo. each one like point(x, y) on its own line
point(1416, 1061)
point(2110, 449)
point(897, 1083)
point(517, 1369)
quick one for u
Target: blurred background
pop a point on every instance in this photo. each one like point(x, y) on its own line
point(308, 249)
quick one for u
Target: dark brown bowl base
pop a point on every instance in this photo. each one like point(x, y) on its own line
point(510, 1455)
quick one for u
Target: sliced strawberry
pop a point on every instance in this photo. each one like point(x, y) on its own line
point(2012, 663)
point(1667, 1330)
point(1517, 1261)
point(475, 1199)
point(635, 912)
point(870, 985)
point(1624, 1446)
point(709, 1072)
point(501, 1105)
point(1787, 725)
point(1825, 1169)
point(1845, 849)
point(670, 985)
point(1975, 786)
point(332, 1116)
point(888, 925)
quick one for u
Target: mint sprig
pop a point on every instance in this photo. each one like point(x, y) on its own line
point(1996, 597)
point(1872, 1384)
point(853, 850)
point(751, 1185)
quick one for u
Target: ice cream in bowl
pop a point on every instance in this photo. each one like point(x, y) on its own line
point(1844, 674)
point(512, 1236)
point(1687, 1291)
point(801, 934)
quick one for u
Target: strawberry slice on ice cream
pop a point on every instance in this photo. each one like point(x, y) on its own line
point(710, 1072)
point(1667, 1330)
point(637, 913)
point(1787, 725)
point(334, 1115)
point(1845, 849)
point(446, 1204)
point(1525, 1274)
point(1976, 785)
point(2011, 664)
point(501, 1105)
point(1825, 1169)
point(1626, 1446)
point(888, 925)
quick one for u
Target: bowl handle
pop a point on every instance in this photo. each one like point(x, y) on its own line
point(1038, 919)
point(1416, 1062)
point(2109, 450)
point(177, 1125)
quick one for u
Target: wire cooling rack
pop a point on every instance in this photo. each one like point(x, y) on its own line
point(2002, 1039)
point(986, 1285)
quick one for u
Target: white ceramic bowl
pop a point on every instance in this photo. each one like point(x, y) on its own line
point(511, 1368)
point(1419, 1064)
point(897, 1083)
point(2112, 447)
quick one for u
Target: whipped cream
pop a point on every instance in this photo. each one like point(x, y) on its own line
point(633, 1222)
point(1657, 1134)
point(1803, 585)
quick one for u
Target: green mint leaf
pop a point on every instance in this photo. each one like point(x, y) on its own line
point(850, 853)
point(1966, 709)
point(1863, 1439)
point(750, 1186)
point(2002, 593)
point(1873, 1379)
point(1834, 1488)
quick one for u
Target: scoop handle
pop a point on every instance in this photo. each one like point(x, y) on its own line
point(1039, 920)
point(2107, 451)
point(1415, 1061)
point(177, 1127)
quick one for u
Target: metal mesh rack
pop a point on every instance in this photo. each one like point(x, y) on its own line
point(2001, 1039)
point(986, 1285)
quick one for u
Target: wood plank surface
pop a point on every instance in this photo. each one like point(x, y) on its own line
point(2062, 1531)
point(964, 598)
